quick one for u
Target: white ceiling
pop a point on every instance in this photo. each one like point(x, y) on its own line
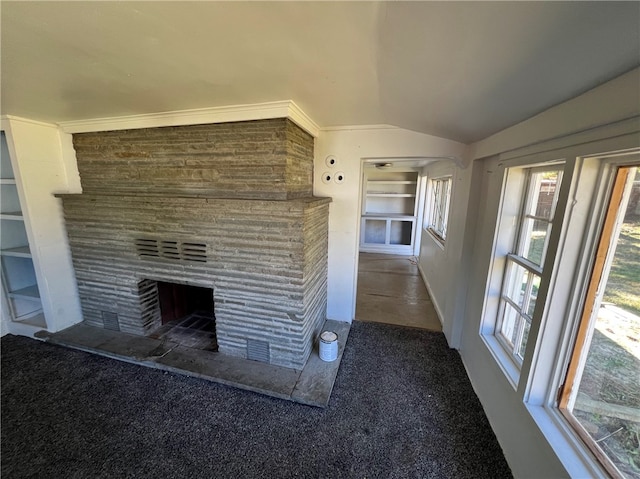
point(461, 70)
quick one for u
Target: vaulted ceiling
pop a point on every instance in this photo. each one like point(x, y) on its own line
point(460, 70)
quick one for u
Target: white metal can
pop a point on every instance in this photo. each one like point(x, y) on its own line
point(328, 346)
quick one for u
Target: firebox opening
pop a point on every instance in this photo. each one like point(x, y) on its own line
point(180, 300)
point(187, 315)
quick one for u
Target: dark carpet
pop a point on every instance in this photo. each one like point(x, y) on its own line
point(402, 407)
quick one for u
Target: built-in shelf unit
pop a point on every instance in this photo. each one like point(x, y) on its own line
point(19, 282)
point(389, 211)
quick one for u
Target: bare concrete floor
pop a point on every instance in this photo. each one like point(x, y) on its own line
point(391, 291)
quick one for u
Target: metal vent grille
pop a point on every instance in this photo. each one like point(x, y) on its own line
point(258, 350)
point(110, 321)
point(152, 248)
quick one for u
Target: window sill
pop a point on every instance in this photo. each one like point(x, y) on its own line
point(436, 239)
point(503, 359)
point(574, 455)
point(571, 451)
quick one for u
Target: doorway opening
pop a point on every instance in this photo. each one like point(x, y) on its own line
point(389, 286)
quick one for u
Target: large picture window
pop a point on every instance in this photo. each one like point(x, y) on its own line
point(524, 265)
point(601, 393)
point(437, 212)
point(561, 310)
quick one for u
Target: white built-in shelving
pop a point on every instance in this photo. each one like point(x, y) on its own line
point(389, 211)
point(19, 281)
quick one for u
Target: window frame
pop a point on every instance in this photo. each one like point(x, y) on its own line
point(435, 224)
point(587, 175)
point(599, 260)
point(515, 258)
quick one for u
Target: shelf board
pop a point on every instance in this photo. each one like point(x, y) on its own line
point(391, 216)
point(12, 215)
point(7, 181)
point(30, 292)
point(406, 250)
point(393, 195)
point(34, 319)
point(393, 182)
point(19, 252)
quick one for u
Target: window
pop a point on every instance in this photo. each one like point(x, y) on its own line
point(551, 274)
point(601, 393)
point(525, 262)
point(437, 211)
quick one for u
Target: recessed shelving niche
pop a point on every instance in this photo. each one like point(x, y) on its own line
point(389, 211)
point(19, 282)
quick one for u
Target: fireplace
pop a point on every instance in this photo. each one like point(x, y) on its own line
point(178, 301)
point(205, 219)
point(186, 313)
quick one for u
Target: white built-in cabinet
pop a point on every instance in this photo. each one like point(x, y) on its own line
point(38, 285)
point(19, 282)
point(389, 211)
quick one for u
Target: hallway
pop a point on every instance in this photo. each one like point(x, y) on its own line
point(391, 291)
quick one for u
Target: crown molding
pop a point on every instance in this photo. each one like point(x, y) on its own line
point(360, 127)
point(4, 119)
point(222, 114)
point(303, 120)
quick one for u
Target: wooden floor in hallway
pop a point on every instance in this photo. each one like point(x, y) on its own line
point(391, 291)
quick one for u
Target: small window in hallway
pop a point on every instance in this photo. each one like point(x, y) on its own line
point(437, 210)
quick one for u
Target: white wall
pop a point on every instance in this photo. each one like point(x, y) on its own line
point(48, 165)
point(613, 101)
point(440, 265)
point(457, 275)
point(43, 166)
point(350, 146)
point(525, 448)
point(5, 316)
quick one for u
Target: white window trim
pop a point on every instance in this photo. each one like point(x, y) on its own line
point(545, 378)
point(435, 238)
point(572, 452)
point(507, 231)
point(516, 234)
point(439, 237)
point(545, 362)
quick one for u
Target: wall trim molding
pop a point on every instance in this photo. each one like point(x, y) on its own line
point(222, 114)
point(360, 127)
point(11, 118)
point(619, 128)
point(435, 304)
point(303, 120)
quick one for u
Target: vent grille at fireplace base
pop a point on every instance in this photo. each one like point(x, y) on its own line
point(258, 350)
point(175, 250)
point(110, 320)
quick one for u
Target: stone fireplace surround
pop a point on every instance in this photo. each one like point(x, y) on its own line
point(223, 206)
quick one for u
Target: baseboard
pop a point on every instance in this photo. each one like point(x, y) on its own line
point(431, 295)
